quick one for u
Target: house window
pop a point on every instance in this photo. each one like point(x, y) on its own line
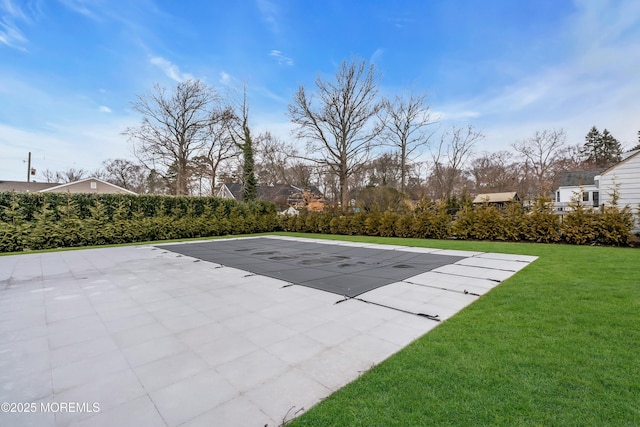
point(596, 199)
point(558, 196)
point(585, 196)
point(94, 185)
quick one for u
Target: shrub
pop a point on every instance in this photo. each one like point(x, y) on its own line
point(387, 223)
point(462, 227)
point(487, 224)
point(404, 226)
point(514, 222)
point(542, 224)
point(613, 226)
point(579, 224)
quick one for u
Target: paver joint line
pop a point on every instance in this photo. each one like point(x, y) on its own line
point(465, 292)
point(428, 316)
point(470, 277)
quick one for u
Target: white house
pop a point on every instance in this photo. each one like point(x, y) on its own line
point(577, 184)
point(595, 187)
point(626, 177)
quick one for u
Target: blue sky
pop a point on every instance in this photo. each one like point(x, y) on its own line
point(69, 69)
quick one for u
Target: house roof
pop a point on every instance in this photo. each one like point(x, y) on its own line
point(626, 157)
point(64, 187)
point(270, 191)
point(577, 178)
point(26, 187)
point(496, 197)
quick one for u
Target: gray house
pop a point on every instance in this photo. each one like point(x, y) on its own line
point(87, 185)
point(282, 195)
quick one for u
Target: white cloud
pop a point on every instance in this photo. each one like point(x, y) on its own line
point(269, 13)
point(376, 56)
point(79, 6)
point(170, 69)
point(595, 83)
point(267, 93)
point(104, 109)
point(10, 33)
point(282, 60)
point(57, 147)
point(454, 114)
point(225, 78)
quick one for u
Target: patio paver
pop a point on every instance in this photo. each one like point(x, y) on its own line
point(155, 338)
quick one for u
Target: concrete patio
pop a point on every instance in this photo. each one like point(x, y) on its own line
point(143, 336)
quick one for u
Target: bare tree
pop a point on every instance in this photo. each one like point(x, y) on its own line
point(454, 150)
point(240, 134)
point(273, 159)
point(126, 174)
point(51, 176)
point(540, 153)
point(494, 172)
point(299, 174)
point(339, 128)
point(404, 122)
point(174, 128)
point(218, 147)
point(69, 175)
point(386, 169)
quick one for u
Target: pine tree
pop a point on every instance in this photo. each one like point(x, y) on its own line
point(637, 147)
point(601, 149)
point(249, 182)
point(611, 147)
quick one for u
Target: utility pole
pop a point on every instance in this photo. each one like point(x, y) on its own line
point(29, 168)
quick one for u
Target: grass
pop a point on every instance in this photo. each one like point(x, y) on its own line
point(558, 344)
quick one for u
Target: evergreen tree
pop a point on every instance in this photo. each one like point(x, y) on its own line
point(241, 136)
point(637, 147)
point(249, 182)
point(601, 149)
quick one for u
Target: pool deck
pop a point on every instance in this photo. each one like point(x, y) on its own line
point(143, 336)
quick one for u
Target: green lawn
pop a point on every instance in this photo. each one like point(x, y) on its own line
point(558, 344)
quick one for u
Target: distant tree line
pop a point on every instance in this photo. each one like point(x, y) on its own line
point(347, 139)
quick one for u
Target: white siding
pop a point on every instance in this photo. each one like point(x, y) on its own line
point(627, 176)
point(569, 194)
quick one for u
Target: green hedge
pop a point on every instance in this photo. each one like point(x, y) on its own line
point(30, 221)
point(611, 226)
point(49, 220)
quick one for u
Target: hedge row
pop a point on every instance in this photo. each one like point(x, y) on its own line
point(28, 205)
point(611, 226)
point(43, 221)
point(47, 220)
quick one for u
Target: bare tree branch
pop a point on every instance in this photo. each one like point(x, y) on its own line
point(454, 150)
point(540, 153)
point(404, 122)
point(339, 127)
point(173, 129)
